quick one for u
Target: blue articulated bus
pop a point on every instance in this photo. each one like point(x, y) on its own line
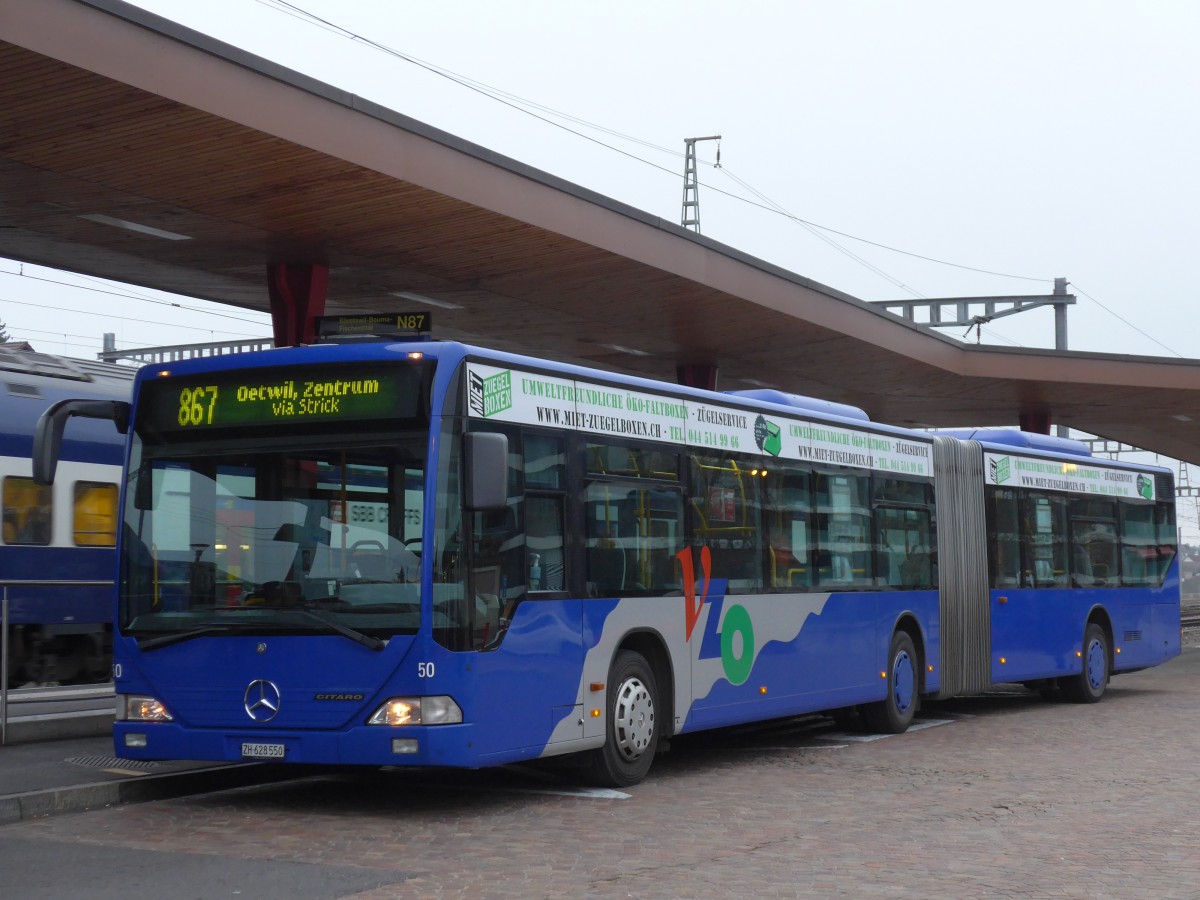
point(432, 554)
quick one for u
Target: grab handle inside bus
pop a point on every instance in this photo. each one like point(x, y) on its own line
point(47, 437)
point(485, 457)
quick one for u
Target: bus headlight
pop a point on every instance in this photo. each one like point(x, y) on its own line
point(440, 710)
point(141, 708)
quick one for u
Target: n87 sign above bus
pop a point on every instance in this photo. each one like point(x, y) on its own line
point(533, 398)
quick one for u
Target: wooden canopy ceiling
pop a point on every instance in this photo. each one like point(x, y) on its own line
point(109, 114)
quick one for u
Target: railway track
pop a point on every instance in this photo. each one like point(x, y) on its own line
point(1190, 618)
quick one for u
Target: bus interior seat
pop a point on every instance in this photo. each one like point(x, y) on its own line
point(606, 570)
point(1082, 570)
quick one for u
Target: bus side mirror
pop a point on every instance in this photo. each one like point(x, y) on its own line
point(485, 458)
point(47, 437)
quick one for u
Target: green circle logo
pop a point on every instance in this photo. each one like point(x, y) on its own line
point(737, 666)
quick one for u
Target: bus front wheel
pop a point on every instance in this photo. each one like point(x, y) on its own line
point(1089, 685)
point(632, 728)
point(895, 712)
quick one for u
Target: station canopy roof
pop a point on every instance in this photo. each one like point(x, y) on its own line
point(109, 115)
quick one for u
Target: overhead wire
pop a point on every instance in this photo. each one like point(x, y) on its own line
point(1126, 321)
point(819, 234)
point(525, 106)
point(125, 293)
point(109, 315)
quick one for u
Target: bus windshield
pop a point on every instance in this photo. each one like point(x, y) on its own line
point(261, 538)
point(276, 500)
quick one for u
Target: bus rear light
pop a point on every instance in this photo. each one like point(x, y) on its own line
point(141, 708)
point(439, 710)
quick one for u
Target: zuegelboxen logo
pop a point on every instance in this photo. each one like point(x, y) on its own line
point(767, 436)
point(1145, 487)
point(488, 396)
point(1001, 470)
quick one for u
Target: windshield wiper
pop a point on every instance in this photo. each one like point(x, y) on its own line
point(366, 640)
point(177, 637)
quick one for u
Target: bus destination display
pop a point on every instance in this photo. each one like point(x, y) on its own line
point(217, 401)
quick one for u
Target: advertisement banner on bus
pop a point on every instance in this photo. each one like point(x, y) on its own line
point(533, 398)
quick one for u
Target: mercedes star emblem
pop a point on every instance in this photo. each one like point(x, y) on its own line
point(262, 700)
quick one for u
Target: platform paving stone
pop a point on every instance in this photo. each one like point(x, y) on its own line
point(1014, 797)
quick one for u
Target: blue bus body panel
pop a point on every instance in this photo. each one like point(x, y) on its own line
point(513, 698)
point(528, 695)
point(1039, 633)
point(833, 659)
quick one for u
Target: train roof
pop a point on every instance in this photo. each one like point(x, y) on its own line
point(17, 357)
point(31, 381)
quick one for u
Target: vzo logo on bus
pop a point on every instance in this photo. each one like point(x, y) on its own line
point(734, 643)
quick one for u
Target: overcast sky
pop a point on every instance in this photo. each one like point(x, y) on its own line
point(1031, 139)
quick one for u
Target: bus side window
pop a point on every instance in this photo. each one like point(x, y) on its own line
point(633, 533)
point(1044, 531)
point(1004, 538)
point(787, 510)
point(844, 529)
point(904, 558)
point(1093, 542)
point(724, 517)
point(545, 541)
point(95, 514)
point(545, 499)
point(27, 511)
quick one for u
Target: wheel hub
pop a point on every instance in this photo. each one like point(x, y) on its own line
point(1096, 665)
point(634, 718)
point(903, 682)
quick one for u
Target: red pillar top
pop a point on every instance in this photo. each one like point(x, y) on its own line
point(297, 292)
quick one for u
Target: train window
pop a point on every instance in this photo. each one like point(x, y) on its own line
point(95, 514)
point(26, 511)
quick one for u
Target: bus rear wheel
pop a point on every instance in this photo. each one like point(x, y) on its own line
point(632, 730)
point(895, 713)
point(1089, 685)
